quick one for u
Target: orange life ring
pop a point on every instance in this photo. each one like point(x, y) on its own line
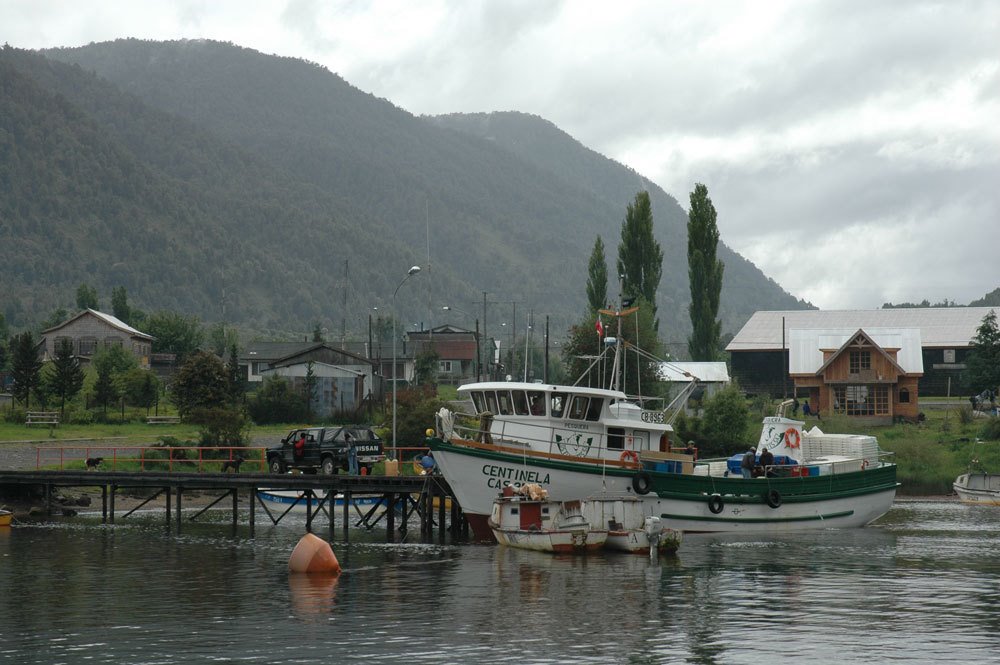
point(630, 455)
point(792, 437)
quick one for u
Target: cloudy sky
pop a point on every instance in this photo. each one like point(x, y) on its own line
point(851, 147)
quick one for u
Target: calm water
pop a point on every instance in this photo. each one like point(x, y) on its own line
point(923, 586)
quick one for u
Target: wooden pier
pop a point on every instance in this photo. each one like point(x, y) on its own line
point(410, 497)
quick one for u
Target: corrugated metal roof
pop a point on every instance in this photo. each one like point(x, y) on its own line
point(705, 372)
point(940, 327)
point(118, 323)
point(805, 347)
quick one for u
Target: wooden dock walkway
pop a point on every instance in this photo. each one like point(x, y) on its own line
point(317, 492)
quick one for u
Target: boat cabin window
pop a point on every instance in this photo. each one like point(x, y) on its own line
point(477, 401)
point(558, 402)
point(578, 408)
point(491, 401)
point(616, 438)
point(536, 402)
point(503, 400)
point(594, 411)
point(520, 402)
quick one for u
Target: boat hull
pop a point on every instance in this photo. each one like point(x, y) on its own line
point(978, 488)
point(682, 501)
point(557, 542)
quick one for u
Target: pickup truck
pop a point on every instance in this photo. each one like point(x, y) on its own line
point(326, 450)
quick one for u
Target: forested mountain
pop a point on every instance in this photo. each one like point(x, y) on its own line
point(210, 178)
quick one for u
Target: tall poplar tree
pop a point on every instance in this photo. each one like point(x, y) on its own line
point(119, 304)
point(705, 277)
point(86, 297)
point(640, 259)
point(597, 277)
point(984, 356)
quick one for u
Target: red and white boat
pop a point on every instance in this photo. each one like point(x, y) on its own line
point(530, 521)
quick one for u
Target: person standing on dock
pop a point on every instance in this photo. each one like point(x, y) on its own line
point(352, 454)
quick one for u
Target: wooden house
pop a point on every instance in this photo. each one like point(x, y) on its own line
point(91, 330)
point(870, 374)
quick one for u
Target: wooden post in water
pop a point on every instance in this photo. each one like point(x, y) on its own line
point(169, 497)
point(111, 504)
point(347, 510)
point(441, 509)
point(309, 511)
point(104, 504)
point(180, 491)
point(390, 516)
point(253, 509)
point(236, 506)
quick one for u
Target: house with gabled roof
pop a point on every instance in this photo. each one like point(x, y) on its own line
point(344, 380)
point(91, 330)
point(872, 374)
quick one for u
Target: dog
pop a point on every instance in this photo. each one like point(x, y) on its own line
point(93, 463)
point(232, 465)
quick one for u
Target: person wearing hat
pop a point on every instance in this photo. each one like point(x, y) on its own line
point(748, 463)
point(767, 461)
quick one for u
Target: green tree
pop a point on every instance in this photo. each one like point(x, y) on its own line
point(65, 378)
point(200, 383)
point(221, 337)
point(57, 316)
point(597, 277)
point(105, 387)
point(119, 304)
point(704, 277)
point(725, 422)
point(140, 387)
point(175, 333)
point(318, 333)
point(234, 375)
point(984, 357)
point(640, 259)
point(86, 297)
point(425, 368)
point(25, 367)
point(309, 388)
point(638, 370)
point(277, 402)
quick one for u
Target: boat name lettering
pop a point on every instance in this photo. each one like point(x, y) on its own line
point(576, 426)
point(500, 476)
point(652, 417)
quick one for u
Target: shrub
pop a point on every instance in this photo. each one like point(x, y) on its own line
point(964, 415)
point(277, 402)
point(991, 430)
point(221, 426)
point(725, 422)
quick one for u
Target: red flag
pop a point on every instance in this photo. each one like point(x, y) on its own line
point(599, 327)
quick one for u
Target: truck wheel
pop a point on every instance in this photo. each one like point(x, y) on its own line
point(328, 467)
point(276, 465)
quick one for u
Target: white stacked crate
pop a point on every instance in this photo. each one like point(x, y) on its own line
point(852, 446)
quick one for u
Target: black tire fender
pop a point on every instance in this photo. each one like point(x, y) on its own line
point(641, 482)
point(715, 504)
point(773, 498)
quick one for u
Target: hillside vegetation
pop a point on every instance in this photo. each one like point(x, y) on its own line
point(269, 192)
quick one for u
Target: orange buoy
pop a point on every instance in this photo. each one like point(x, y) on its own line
point(313, 555)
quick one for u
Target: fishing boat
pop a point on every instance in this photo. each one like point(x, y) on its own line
point(978, 487)
point(6, 517)
point(529, 520)
point(577, 441)
point(629, 529)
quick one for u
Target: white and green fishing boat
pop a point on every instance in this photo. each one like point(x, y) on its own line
point(578, 441)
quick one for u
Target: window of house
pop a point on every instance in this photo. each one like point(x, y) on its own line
point(861, 400)
point(87, 346)
point(444, 366)
point(112, 341)
point(904, 396)
point(860, 360)
point(948, 355)
point(60, 341)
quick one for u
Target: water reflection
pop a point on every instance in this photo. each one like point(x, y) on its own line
point(136, 593)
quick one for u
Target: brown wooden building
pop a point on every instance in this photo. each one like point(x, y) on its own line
point(91, 330)
point(862, 374)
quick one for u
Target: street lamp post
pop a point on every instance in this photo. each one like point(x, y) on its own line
point(409, 273)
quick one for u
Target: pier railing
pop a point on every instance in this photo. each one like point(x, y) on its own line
point(152, 458)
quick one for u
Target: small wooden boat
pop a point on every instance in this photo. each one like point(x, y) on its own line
point(978, 487)
point(6, 517)
point(532, 522)
point(629, 529)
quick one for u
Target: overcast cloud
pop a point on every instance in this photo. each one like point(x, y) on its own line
point(852, 149)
